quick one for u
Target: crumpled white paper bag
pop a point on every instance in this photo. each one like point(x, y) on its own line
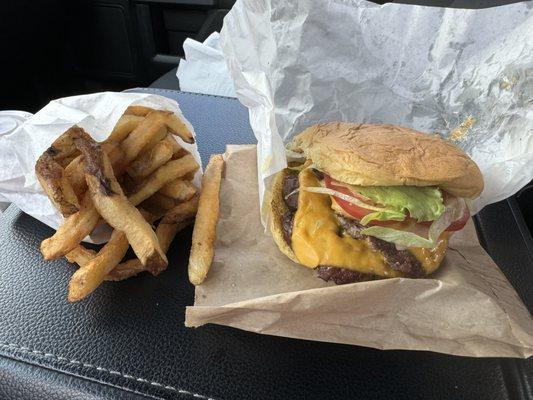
point(465, 74)
point(204, 70)
point(96, 113)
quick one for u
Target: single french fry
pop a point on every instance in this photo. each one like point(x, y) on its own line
point(80, 255)
point(204, 233)
point(55, 183)
point(125, 125)
point(151, 160)
point(140, 111)
point(170, 171)
point(114, 207)
point(89, 276)
point(72, 231)
point(176, 126)
point(179, 189)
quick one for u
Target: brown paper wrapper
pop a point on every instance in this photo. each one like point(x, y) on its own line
point(467, 308)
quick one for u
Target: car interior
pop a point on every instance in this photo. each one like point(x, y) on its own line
point(53, 49)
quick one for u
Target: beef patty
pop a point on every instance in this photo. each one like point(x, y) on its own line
point(400, 260)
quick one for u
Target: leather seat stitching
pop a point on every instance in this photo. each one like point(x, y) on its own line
point(102, 369)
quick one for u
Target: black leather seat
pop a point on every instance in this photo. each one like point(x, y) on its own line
point(127, 340)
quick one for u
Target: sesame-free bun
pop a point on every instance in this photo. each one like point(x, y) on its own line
point(276, 208)
point(389, 155)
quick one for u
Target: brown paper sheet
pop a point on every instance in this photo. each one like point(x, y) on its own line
point(467, 308)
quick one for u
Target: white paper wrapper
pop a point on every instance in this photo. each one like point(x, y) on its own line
point(467, 308)
point(465, 74)
point(204, 70)
point(96, 113)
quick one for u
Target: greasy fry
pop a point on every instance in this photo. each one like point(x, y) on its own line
point(72, 231)
point(179, 189)
point(89, 276)
point(204, 233)
point(170, 171)
point(151, 160)
point(123, 128)
point(114, 207)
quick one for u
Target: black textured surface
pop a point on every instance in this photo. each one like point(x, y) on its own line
point(130, 334)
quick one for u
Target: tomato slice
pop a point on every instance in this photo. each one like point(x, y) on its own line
point(352, 209)
point(359, 212)
point(460, 223)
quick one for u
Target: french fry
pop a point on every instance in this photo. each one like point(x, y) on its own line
point(80, 255)
point(150, 131)
point(140, 111)
point(151, 160)
point(179, 218)
point(176, 126)
point(161, 201)
point(89, 276)
point(55, 183)
point(75, 171)
point(176, 148)
point(170, 171)
point(125, 270)
point(178, 189)
point(114, 207)
point(204, 233)
point(72, 231)
point(173, 123)
point(125, 125)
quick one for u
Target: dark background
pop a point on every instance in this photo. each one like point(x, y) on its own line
point(56, 48)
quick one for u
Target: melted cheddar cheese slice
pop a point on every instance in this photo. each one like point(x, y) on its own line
point(315, 238)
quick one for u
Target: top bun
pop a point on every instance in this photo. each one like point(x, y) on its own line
point(389, 155)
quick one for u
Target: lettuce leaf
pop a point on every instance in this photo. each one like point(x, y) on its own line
point(422, 203)
point(453, 211)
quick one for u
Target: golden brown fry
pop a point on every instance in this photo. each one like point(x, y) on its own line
point(179, 189)
point(89, 276)
point(55, 183)
point(72, 231)
point(151, 160)
point(165, 234)
point(178, 127)
point(125, 125)
point(149, 132)
point(80, 255)
point(140, 111)
point(204, 233)
point(170, 171)
point(114, 207)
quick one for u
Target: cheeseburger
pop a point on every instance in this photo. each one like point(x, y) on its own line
point(371, 201)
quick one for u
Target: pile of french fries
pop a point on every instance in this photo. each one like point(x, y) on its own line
point(137, 176)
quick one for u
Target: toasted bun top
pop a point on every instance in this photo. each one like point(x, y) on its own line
point(389, 155)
